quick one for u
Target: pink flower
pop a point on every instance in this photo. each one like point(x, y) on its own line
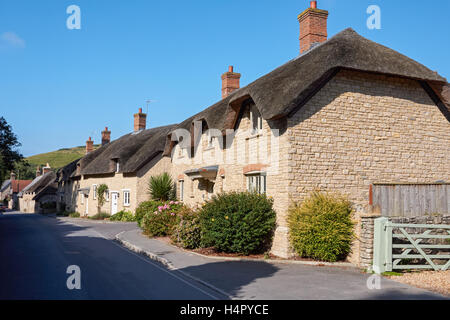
point(171, 202)
point(176, 202)
point(172, 214)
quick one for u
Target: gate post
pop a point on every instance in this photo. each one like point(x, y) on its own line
point(380, 245)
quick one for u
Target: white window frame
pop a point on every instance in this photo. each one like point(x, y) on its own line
point(259, 124)
point(257, 181)
point(107, 195)
point(94, 190)
point(126, 200)
point(181, 182)
point(210, 138)
point(117, 166)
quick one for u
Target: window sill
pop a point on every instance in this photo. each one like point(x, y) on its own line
point(254, 136)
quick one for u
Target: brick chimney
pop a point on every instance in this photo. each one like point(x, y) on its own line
point(313, 26)
point(140, 121)
point(89, 145)
point(38, 171)
point(46, 169)
point(106, 136)
point(13, 176)
point(230, 82)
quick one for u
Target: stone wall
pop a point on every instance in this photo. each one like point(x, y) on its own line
point(362, 129)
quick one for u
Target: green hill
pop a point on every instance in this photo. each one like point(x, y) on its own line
point(59, 158)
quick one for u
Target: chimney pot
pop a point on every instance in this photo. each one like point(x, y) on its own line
point(313, 27)
point(46, 169)
point(140, 121)
point(106, 136)
point(89, 145)
point(230, 82)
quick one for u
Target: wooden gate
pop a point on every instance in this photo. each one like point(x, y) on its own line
point(395, 243)
point(410, 200)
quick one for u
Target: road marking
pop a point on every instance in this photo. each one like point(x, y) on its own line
point(153, 264)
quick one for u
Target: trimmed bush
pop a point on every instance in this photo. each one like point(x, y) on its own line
point(187, 233)
point(240, 223)
point(162, 187)
point(162, 220)
point(321, 227)
point(100, 216)
point(123, 216)
point(74, 215)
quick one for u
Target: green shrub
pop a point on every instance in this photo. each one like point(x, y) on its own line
point(162, 220)
point(100, 216)
point(146, 207)
point(124, 216)
point(74, 215)
point(321, 227)
point(162, 187)
point(187, 233)
point(48, 205)
point(238, 222)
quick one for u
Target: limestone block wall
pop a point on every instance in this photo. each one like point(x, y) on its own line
point(362, 129)
point(116, 183)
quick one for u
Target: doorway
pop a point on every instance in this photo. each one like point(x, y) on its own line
point(114, 202)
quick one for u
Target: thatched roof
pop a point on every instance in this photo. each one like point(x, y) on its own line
point(133, 151)
point(280, 92)
point(66, 172)
point(39, 184)
point(277, 95)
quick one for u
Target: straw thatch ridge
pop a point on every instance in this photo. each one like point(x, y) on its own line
point(132, 151)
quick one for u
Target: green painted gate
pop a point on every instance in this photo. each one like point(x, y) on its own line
point(397, 243)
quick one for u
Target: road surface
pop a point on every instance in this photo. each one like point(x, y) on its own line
point(35, 252)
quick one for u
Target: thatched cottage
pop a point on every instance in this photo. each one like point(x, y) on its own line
point(40, 194)
point(345, 114)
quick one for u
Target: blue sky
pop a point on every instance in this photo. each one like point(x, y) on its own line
point(60, 86)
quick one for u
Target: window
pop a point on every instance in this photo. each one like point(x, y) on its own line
point(255, 119)
point(82, 198)
point(210, 138)
point(257, 183)
point(107, 195)
point(126, 197)
point(181, 190)
point(94, 189)
point(117, 166)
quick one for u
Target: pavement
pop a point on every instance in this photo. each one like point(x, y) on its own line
point(272, 280)
point(97, 244)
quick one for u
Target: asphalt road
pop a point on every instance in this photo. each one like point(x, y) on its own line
point(35, 252)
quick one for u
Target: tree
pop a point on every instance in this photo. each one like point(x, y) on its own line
point(24, 170)
point(8, 149)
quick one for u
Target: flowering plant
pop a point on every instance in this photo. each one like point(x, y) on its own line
point(160, 218)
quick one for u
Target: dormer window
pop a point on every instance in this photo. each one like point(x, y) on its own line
point(255, 120)
point(114, 165)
